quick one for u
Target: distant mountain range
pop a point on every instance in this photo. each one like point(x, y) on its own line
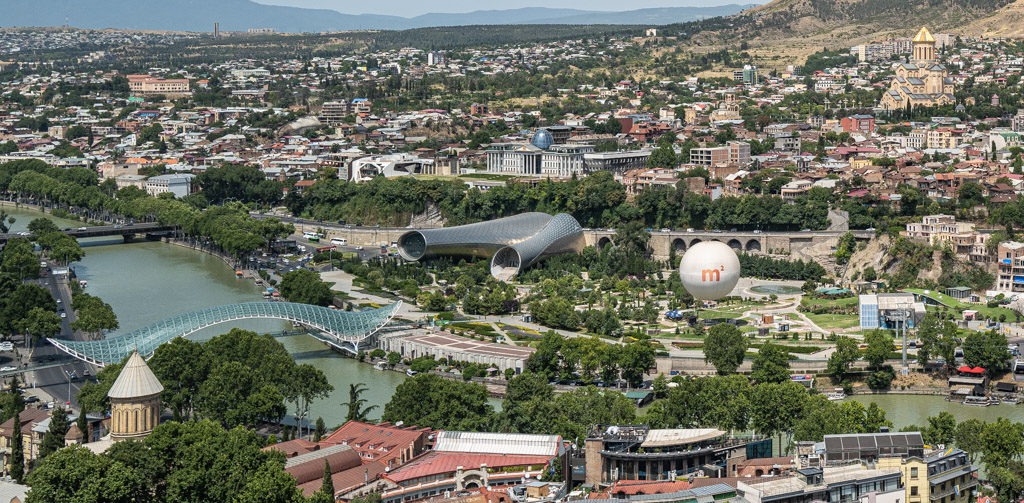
point(240, 15)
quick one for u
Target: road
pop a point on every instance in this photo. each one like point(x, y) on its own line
point(53, 381)
point(100, 231)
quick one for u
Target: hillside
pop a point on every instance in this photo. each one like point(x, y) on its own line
point(240, 15)
point(860, 19)
point(1006, 22)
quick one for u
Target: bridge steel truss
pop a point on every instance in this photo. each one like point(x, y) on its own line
point(345, 330)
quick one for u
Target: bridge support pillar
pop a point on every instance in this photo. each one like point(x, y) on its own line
point(128, 238)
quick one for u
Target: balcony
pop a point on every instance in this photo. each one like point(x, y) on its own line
point(971, 483)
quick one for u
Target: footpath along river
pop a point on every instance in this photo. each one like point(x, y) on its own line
point(147, 281)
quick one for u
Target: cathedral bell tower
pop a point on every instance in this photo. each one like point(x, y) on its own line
point(924, 47)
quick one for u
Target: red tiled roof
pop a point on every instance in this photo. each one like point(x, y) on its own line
point(293, 448)
point(384, 440)
point(448, 462)
point(633, 487)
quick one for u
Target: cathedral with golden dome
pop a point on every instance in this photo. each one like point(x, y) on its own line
point(922, 82)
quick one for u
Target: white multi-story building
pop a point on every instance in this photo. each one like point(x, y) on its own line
point(178, 184)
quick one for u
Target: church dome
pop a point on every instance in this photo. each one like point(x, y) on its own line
point(924, 36)
point(542, 139)
point(135, 381)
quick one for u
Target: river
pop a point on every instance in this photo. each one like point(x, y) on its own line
point(905, 410)
point(146, 281)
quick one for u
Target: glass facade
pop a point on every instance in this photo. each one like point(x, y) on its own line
point(345, 327)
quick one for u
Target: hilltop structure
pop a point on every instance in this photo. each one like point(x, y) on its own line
point(922, 82)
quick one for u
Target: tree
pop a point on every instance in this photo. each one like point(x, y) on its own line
point(17, 451)
point(42, 225)
point(663, 156)
point(941, 429)
point(928, 334)
point(41, 324)
point(393, 358)
point(94, 315)
point(54, 437)
point(427, 400)
point(879, 346)
point(968, 437)
point(724, 348)
point(320, 430)
point(76, 474)
point(774, 407)
point(305, 287)
point(845, 354)
point(771, 365)
point(635, 359)
point(355, 404)
point(83, 426)
point(986, 350)
point(327, 489)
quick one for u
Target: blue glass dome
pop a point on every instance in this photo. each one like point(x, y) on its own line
point(542, 139)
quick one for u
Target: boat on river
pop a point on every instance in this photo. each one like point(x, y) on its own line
point(836, 394)
point(382, 365)
point(978, 401)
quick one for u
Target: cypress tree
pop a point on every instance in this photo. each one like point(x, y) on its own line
point(83, 425)
point(327, 489)
point(17, 451)
point(320, 431)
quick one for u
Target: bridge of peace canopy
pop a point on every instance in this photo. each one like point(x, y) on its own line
point(342, 329)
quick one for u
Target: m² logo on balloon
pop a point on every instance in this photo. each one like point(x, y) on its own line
point(712, 274)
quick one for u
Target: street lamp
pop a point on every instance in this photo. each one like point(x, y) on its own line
point(71, 375)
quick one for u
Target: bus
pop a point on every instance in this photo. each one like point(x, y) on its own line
point(339, 241)
point(309, 234)
point(313, 239)
point(323, 249)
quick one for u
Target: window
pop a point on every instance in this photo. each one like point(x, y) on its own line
point(913, 473)
point(913, 491)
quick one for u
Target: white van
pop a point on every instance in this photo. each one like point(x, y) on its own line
point(339, 241)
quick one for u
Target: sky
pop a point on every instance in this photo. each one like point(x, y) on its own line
point(409, 8)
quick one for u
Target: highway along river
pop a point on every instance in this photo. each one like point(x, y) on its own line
point(147, 281)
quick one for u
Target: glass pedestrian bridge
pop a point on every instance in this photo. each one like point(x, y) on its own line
point(342, 329)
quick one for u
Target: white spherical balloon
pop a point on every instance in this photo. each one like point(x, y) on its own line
point(709, 270)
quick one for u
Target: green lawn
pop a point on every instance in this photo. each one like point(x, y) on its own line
point(834, 321)
point(844, 302)
point(990, 312)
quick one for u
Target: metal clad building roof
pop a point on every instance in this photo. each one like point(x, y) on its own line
point(135, 380)
point(498, 443)
point(661, 438)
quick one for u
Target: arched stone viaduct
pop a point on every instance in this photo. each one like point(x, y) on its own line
point(661, 242)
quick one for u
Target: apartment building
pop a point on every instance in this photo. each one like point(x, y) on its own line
point(929, 474)
point(333, 112)
point(945, 138)
point(1010, 260)
point(734, 152)
point(962, 238)
point(147, 85)
point(858, 124)
point(178, 184)
point(940, 475)
point(795, 189)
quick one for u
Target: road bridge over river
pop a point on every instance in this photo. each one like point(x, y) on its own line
point(126, 231)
